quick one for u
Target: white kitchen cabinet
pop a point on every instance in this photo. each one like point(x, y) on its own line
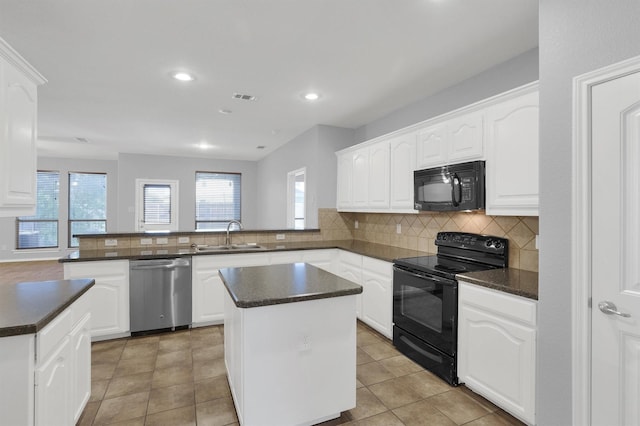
point(109, 296)
point(283, 257)
point(324, 259)
point(80, 339)
point(208, 291)
point(402, 166)
point(349, 267)
point(512, 156)
point(378, 180)
point(377, 295)
point(345, 181)
point(432, 146)
point(53, 385)
point(18, 133)
point(455, 140)
point(497, 348)
point(360, 196)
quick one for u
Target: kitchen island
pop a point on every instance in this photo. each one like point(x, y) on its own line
point(290, 343)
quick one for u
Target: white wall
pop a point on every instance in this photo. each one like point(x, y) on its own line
point(8, 250)
point(182, 169)
point(314, 149)
point(575, 37)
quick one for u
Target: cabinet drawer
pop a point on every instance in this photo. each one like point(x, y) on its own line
point(513, 307)
point(53, 333)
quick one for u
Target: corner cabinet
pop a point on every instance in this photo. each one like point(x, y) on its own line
point(512, 156)
point(18, 133)
point(497, 348)
point(109, 297)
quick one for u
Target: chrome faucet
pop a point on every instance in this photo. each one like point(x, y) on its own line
point(237, 222)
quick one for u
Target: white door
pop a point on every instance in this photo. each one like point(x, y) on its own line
point(156, 205)
point(615, 269)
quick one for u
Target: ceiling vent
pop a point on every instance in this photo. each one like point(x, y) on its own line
point(244, 97)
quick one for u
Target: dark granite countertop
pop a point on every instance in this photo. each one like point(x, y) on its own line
point(378, 251)
point(25, 308)
point(257, 286)
point(514, 281)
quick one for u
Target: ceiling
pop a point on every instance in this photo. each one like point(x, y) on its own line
point(108, 66)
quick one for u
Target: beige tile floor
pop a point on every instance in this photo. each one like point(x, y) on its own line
point(179, 379)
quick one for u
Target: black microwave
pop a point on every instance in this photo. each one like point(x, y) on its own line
point(450, 188)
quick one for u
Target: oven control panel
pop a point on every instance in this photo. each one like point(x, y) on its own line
point(477, 242)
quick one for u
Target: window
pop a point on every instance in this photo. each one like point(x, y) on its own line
point(217, 199)
point(156, 205)
point(41, 229)
point(87, 205)
point(295, 198)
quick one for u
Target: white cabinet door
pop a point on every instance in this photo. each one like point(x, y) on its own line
point(18, 121)
point(360, 195)
point(403, 164)
point(53, 387)
point(80, 366)
point(496, 348)
point(345, 180)
point(109, 296)
point(349, 267)
point(377, 299)
point(279, 258)
point(512, 157)
point(208, 291)
point(465, 137)
point(432, 146)
point(378, 180)
point(323, 259)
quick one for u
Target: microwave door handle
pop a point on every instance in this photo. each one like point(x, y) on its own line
point(455, 183)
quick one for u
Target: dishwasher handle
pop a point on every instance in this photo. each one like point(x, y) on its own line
point(165, 264)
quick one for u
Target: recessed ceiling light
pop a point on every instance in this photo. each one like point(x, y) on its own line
point(225, 111)
point(183, 76)
point(311, 96)
point(260, 147)
point(204, 145)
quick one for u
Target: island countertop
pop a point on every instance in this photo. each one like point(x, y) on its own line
point(25, 308)
point(256, 286)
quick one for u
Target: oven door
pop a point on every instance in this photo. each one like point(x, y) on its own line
point(427, 307)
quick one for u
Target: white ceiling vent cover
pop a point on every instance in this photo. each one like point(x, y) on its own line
point(244, 97)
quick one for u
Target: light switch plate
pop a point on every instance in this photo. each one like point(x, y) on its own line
point(146, 241)
point(110, 242)
point(163, 240)
point(183, 240)
point(279, 236)
point(398, 228)
point(356, 224)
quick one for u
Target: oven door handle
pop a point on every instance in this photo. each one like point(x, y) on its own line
point(421, 276)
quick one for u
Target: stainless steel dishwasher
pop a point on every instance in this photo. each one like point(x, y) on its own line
point(159, 293)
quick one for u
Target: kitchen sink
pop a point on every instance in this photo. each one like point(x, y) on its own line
point(226, 247)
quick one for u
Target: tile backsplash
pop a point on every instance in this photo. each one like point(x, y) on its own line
point(418, 231)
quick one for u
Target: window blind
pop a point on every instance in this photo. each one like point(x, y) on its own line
point(41, 229)
point(157, 204)
point(217, 199)
point(87, 205)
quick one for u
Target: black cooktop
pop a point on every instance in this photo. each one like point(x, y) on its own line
point(440, 266)
point(460, 252)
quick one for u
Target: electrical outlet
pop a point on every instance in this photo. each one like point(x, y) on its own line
point(356, 224)
point(398, 228)
point(146, 241)
point(146, 252)
point(163, 240)
point(162, 251)
point(183, 240)
point(538, 242)
point(110, 242)
point(279, 236)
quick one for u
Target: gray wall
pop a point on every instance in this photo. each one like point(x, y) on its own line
point(64, 166)
point(575, 37)
point(314, 149)
point(182, 169)
point(516, 72)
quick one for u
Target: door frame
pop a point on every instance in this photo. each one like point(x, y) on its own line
point(581, 232)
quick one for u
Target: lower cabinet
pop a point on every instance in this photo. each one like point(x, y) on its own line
point(109, 296)
point(349, 267)
point(497, 348)
point(377, 295)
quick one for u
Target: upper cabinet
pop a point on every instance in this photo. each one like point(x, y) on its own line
point(512, 156)
point(377, 175)
point(18, 133)
point(455, 140)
